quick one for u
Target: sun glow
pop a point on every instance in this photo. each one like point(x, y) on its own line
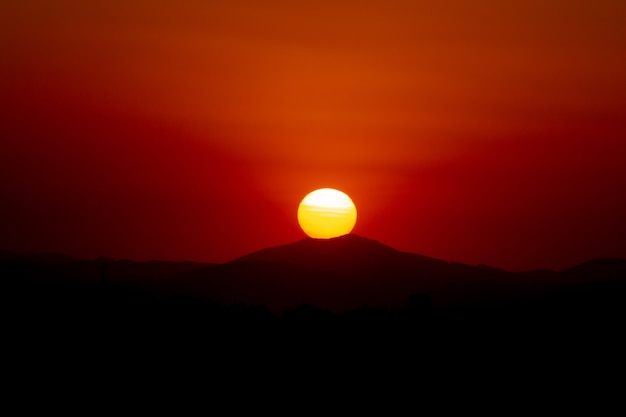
point(326, 213)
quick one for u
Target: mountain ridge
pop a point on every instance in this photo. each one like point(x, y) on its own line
point(338, 274)
point(352, 271)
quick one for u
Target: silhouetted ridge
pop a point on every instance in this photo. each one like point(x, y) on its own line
point(601, 268)
point(348, 272)
point(348, 252)
point(318, 247)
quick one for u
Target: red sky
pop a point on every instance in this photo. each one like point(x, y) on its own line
point(475, 131)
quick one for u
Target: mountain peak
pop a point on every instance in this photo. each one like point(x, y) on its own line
point(347, 252)
point(338, 247)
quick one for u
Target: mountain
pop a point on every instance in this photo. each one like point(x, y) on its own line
point(48, 268)
point(426, 312)
point(344, 273)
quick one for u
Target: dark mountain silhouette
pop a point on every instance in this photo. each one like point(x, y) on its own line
point(330, 300)
point(339, 274)
point(349, 272)
point(598, 269)
point(346, 252)
point(51, 268)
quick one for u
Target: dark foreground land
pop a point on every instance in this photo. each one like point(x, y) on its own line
point(70, 318)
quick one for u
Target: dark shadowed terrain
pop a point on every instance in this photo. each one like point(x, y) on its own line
point(313, 304)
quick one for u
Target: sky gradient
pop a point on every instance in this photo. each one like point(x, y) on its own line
point(472, 131)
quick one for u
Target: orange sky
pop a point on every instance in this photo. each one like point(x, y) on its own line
point(477, 131)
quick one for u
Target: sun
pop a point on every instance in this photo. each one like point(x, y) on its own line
point(326, 213)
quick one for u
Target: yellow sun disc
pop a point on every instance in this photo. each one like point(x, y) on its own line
point(326, 213)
